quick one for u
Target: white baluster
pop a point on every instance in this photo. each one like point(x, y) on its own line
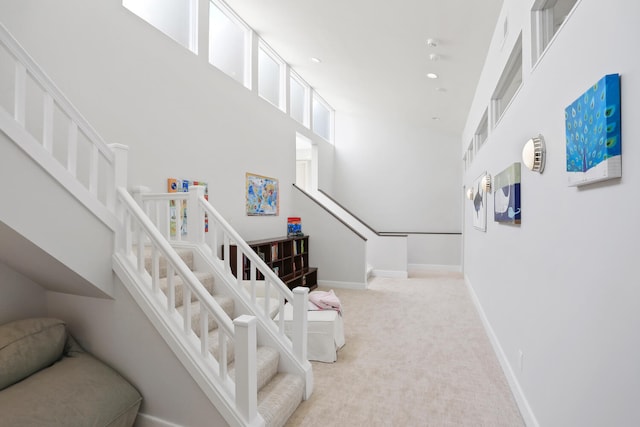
point(47, 122)
point(118, 170)
point(20, 94)
point(195, 221)
point(72, 149)
point(186, 303)
point(204, 330)
point(246, 371)
point(155, 269)
point(300, 307)
point(171, 299)
point(93, 170)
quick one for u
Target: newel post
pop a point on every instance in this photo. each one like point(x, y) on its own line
point(245, 362)
point(195, 212)
point(300, 308)
point(120, 164)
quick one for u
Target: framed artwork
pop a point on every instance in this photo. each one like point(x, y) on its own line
point(175, 185)
point(506, 195)
point(479, 204)
point(592, 126)
point(262, 195)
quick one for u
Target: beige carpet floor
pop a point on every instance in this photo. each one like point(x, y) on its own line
point(416, 354)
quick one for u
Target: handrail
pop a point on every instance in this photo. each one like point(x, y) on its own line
point(332, 213)
point(46, 83)
point(26, 69)
point(270, 285)
point(383, 233)
point(241, 332)
point(183, 270)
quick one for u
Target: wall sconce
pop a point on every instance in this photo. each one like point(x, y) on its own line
point(470, 193)
point(533, 154)
point(486, 183)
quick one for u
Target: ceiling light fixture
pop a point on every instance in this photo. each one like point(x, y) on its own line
point(432, 43)
point(435, 118)
point(432, 75)
point(316, 60)
point(434, 56)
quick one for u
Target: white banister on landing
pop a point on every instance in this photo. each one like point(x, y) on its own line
point(88, 171)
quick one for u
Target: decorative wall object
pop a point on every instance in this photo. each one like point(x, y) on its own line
point(262, 195)
point(592, 124)
point(182, 186)
point(479, 200)
point(534, 153)
point(506, 195)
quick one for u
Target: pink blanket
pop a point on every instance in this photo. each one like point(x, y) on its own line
point(325, 300)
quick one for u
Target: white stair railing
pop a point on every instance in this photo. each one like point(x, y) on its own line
point(51, 130)
point(166, 211)
point(137, 237)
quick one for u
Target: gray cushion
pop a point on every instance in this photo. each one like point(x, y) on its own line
point(27, 346)
point(76, 391)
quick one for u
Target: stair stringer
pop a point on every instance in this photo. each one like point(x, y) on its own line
point(204, 373)
point(267, 333)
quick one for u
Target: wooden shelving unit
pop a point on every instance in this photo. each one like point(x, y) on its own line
point(288, 257)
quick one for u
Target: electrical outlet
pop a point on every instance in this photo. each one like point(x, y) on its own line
point(520, 360)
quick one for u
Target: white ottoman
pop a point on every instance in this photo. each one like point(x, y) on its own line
point(325, 333)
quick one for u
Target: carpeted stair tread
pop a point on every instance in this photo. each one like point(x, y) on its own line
point(185, 254)
point(267, 359)
point(279, 398)
point(226, 303)
point(206, 278)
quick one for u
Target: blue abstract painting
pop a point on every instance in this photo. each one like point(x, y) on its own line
point(592, 126)
point(506, 197)
point(262, 195)
point(479, 200)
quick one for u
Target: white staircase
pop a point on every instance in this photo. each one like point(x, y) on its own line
point(247, 367)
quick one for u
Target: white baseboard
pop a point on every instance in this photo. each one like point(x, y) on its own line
point(342, 285)
point(394, 274)
point(523, 404)
point(146, 420)
point(440, 267)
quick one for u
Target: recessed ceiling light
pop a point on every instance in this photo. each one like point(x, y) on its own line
point(435, 118)
point(434, 56)
point(316, 60)
point(432, 75)
point(432, 42)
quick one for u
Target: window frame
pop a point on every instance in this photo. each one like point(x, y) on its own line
point(247, 45)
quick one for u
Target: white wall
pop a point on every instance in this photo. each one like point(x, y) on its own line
point(397, 176)
point(400, 177)
point(21, 296)
point(179, 115)
point(562, 286)
point(337, 252)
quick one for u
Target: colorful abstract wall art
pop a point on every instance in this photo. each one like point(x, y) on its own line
point(506, 196)
point(262, 195)
point(479, 200)
point(592, 125)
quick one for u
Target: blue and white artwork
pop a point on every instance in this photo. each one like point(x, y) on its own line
point(506, 196)
point(592, 125)
point(262, 195)
point(479, 200)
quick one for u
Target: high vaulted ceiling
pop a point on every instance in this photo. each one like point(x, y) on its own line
point(375, 56)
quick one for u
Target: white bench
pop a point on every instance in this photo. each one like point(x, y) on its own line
point(325, 332)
